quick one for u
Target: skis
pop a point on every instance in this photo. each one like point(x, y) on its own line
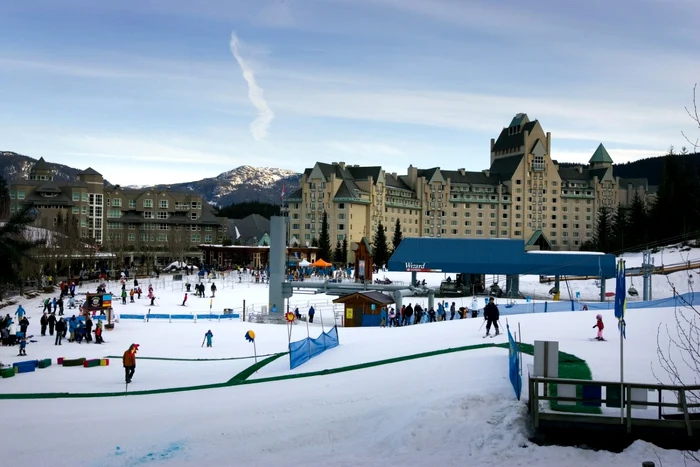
point(600, 340)
point(489, 335)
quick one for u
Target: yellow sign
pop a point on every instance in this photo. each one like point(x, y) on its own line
point(348, 313)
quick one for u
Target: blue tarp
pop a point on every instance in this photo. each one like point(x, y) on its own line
point(304, 350)
point(516, 379)
point(167, 316)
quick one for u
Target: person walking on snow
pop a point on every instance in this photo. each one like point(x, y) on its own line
point(382, 318)
point(129, 361)
point(213, 290)
point(44, 322)
point(209, 336)
point(312, 312)
point(20, 312)
point(599, 324)
point(491, 315)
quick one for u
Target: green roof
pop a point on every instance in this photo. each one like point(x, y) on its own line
point(601, 156)
point(518, 120)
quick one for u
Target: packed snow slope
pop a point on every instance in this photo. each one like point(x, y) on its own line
point(454, 409)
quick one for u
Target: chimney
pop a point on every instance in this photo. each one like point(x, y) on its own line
point(341, 165)
point(334, 163)
point(580, 169)
point(393, 174)
point(486, 172)
point(462, 171)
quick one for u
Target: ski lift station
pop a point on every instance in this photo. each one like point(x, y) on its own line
point(472, 258)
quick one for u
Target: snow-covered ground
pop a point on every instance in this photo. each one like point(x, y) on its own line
point(454, 409)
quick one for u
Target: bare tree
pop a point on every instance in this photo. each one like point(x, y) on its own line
point(178, 244)
point(695, 116)
point(678, 349)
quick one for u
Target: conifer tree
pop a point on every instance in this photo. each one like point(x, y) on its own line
point(345, 252)
point(324, 240)
point(380, 249)
point(604, 234)
point(638, 225)
point(398, 235)
point(620, 229)
point(338, 253)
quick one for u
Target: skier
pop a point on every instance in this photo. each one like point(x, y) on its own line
point(208, 336)
point(311, 314)
point(98, 333)
point(129, 361)
point(491, 315)
point(20, 312)
point(184, 300)
point(599, 324)
point(23, 346)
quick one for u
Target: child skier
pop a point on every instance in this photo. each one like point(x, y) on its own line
point(22, 346)
point(208, 336)
point(599, 324)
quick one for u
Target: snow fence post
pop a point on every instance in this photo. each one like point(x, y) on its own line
point(170, 319)
point(195, 317)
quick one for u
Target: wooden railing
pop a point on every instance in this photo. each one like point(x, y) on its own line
point(687, 418)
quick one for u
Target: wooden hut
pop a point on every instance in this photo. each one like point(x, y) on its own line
point(364, 308)
point(363, 261)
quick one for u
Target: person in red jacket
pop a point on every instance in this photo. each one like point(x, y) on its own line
point(599, 324)
point(184, 300)
point(129, 360)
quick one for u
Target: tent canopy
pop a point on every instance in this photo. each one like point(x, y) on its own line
point(319, 263)
point(303, 263)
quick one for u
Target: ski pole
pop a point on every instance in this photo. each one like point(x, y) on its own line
point(482, 324)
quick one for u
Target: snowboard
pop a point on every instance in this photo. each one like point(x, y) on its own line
point(600, 340)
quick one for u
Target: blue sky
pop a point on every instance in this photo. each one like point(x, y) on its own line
point(151, 90)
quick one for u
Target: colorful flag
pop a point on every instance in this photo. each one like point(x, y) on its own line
point(621, 297)
point(284, 191)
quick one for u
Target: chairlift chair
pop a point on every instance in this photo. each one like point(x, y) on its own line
point(632, 291)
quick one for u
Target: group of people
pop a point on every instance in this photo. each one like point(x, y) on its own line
point(409, 314)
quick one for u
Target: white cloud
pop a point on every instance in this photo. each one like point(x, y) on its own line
point(259, 127)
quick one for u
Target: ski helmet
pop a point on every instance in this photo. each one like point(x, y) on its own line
point(599, 317)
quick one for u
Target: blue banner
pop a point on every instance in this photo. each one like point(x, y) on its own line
point(304, 350)
point(620, 297)
point(516, 378)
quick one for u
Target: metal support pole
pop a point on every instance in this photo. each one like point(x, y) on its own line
point(602, 288)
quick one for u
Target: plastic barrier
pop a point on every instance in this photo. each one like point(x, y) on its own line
point(7, 372)
point(142, 317)
point(91, 363)
point(59, 361)
point(104, 362)
point(73, 362)
point(304, 350)
point(45, 363)
point(26, 366)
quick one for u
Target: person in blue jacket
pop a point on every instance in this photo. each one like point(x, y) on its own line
point(20, 312)
point(209, 336)
point(312, 312)
point(382, 318)
point(441, 312)
point(72, 326)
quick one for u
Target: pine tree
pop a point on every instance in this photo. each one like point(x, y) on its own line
point(4, 199)
point(345, 252)
point(380, 249)
point(620, 229)
point(14, 247)
point(314, 243)
point(604, 234)
point(638, 225)
point(324, 240)
point(338, 253)
point(398, 235)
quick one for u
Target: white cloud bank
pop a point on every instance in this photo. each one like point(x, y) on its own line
point(260, 126)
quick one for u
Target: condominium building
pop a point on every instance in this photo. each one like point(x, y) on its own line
point(524, 194)
point(166, 224)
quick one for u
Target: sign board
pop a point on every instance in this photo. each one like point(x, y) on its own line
point(420, 267)
point(348, 313)
point(578, 294)
point(374, 307)
point(546, 359)
point(97, 302)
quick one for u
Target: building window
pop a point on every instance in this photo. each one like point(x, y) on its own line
point(20, 195)
point(147, 203)
point(207, 238)
point(117, 203)
point(83, 197)
point(76, 196)
point(76, 210)
point(163, 204)
point(341, 226)
point(114, 213)
point(148, 214)
point(195, 237)
point(132, 204)
point(194, 216)
point(132, 237)
point(162, 214)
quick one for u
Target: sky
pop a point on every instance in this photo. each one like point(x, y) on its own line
point(167, 91)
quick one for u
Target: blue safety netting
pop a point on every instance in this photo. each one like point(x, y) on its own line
point(553, 307)
point(304, 350)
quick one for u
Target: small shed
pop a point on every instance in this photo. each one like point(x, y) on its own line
point(363, 308)
point(363, 261)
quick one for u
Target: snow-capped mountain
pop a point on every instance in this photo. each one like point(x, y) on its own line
point(244, 183)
